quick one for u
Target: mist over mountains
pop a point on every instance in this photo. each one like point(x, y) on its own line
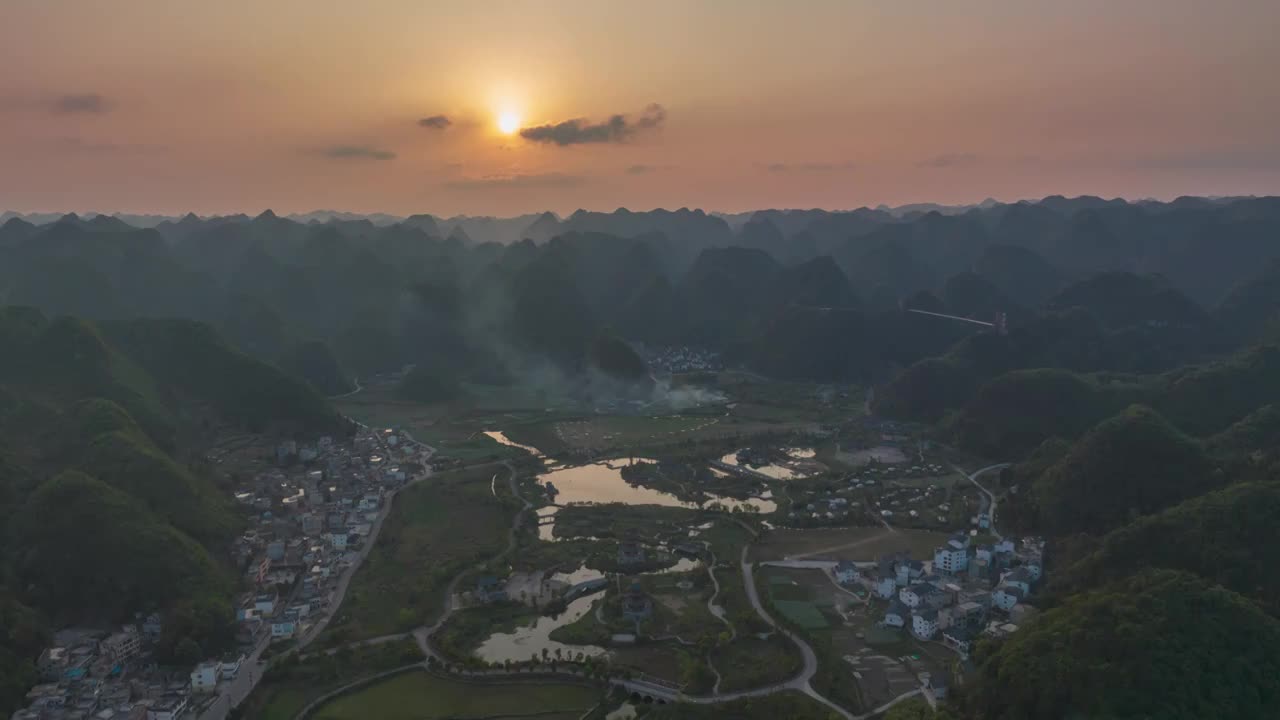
point(332, 293)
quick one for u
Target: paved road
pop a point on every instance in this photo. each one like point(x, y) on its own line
point(359, 387)
point(973, 478)
point(801, 682)
point(340, 591)
point(423, 634)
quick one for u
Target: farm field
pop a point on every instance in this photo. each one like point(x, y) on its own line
point(435, 529)
point(420, 696)
point(859, 544)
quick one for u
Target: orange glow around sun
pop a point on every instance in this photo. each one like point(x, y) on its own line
point(508, 122)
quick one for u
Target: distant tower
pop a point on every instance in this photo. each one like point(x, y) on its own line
point(1002, 323)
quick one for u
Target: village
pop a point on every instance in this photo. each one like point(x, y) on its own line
point(311, 511)
point(695, 574)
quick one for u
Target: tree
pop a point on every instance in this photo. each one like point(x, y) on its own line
point(913, 709)
point(187, 652)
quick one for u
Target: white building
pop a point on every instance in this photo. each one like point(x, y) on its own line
point(924, 625)
point(846, 572)
point(264, 604)
point(1005, 597)
point(1019, 578)
point(896, 615)
point(204, 679)
point(914, 595)
point(121, 646)
point(1034, 568)
point(886, 587)
point(953, 557)
point(229, 669)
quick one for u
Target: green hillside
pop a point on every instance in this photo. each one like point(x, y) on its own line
point(1226, 537)
point(1161, 644)
point(1132, 464)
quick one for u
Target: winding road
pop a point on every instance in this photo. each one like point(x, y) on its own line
point(423, 634)
point(802, 682)
point(973, 478)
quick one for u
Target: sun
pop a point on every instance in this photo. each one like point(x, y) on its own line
point(508, 122)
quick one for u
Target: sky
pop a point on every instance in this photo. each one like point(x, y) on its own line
point(500, 108)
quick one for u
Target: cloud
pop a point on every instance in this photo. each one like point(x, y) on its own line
point(104, 147)
point(81, 103)
point(65, 104)
point(949, 160)
point(518, 181)
point(618, 128)
point(435, 122)
point(357, 152)
point(810, 167)
point(642, 169)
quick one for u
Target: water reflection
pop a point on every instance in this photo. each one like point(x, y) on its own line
point(602, 482)
point(580, 575)
point(530, 640)
point(682, 565)
point(800, 463)
point(502, 439)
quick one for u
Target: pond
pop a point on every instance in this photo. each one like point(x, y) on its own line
point(502, 439)
point(580, 575)
point(682, 565)
point(530, 640)
point(602, 482)
point(800, 463)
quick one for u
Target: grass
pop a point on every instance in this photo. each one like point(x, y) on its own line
point(791, 705)
point(436, 529)
point(751, 662)
point(467, 629)
point(802, 613)
point(420, 696)
point(727, 539)
point(629, 431)
point(660, 660)
point(618, 520)
point(586, 630)
point(859, 544)
point(435, 425)
point(287, 688)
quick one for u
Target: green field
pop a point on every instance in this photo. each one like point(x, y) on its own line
point(436, 425)
point(419, 696)
point(802, 613)
point(289, 686)
point(436, 529)
point(791, 705)
point(750, 662)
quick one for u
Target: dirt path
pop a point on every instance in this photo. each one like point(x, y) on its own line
point(845, 546)
point(423, 634)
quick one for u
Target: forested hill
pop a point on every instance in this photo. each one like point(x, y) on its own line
point(1087, 284)
point(105, 506)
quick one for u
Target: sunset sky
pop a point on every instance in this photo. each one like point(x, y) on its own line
point(397, 105)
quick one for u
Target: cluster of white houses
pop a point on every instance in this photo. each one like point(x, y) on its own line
point(956, 594)
point(99, 675)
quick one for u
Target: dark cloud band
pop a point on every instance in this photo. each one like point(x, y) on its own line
point(618, 128)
